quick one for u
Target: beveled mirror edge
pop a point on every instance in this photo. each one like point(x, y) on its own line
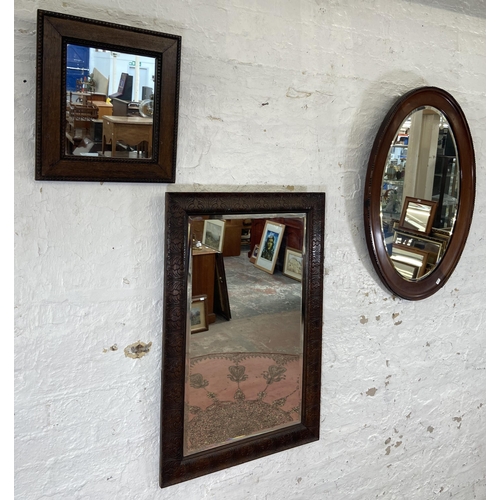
point(50, 162)
point(174, 467)
point(446, 103)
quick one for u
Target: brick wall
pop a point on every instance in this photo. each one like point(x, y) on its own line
point(274, 96)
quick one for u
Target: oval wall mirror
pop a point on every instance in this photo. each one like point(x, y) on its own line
point(243, 302)
point(419, 193)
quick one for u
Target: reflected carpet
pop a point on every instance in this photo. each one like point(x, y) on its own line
point(236, 395)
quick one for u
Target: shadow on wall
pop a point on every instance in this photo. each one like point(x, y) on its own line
point(476, 9)
point(375, 105)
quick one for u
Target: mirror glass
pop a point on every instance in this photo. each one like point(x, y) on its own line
point(420, 193)
point(242, 328)
point(109, 103)
point(245, 327)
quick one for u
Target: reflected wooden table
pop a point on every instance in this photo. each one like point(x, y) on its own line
point(131, 130)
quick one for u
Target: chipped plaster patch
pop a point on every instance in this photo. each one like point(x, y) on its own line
point(114, 347)
point(371, 392)
point(137, 350)
point(297, 94)
point(394, 316)
point(458, 420)
point(363, 320)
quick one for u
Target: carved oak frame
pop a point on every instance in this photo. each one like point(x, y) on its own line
point(175, 467)
point(54, 32)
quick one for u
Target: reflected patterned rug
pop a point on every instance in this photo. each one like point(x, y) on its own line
point(235, 395)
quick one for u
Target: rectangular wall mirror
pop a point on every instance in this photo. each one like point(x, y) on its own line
point(107, 101)
point(241, 371)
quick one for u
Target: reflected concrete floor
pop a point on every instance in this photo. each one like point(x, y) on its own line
point(265, 313)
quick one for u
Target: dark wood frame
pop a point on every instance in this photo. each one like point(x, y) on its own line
point(175, 467)
point(54, 32)
point(202, 299)
point(430, 284)
point(432, 214)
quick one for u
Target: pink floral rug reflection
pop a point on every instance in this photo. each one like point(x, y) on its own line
point(235, 395)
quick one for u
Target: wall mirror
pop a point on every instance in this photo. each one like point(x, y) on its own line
point(107, 101)
point(419, 193)
point(241, 364)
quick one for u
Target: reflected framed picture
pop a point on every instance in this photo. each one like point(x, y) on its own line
point(255, 252)
point(213, 234)
point(269, 246)
point(418, 215)
point(410, 262)
point(199, 314)
point(292, 266)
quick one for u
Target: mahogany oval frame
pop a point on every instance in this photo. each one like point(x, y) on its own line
point(430, 284)
point(175, 467)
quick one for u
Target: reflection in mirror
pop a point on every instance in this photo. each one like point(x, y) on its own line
point(409, 262)
point(418, 215)
point(423, 154)
point(109, 103)
point(241, 367)
point(107, 100)
point(420, 190)
point(245, 366)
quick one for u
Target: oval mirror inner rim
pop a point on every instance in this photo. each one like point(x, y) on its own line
point(449, 107)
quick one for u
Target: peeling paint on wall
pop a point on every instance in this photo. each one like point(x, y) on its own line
point(394, 316)
point(458, 420)
point(114, 347)
point(297, 94)
point(137, 350)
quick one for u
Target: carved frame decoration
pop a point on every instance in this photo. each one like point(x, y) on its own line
point(54, 32)
point(175, 467)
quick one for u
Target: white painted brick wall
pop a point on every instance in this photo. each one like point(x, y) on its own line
point(403, 393)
